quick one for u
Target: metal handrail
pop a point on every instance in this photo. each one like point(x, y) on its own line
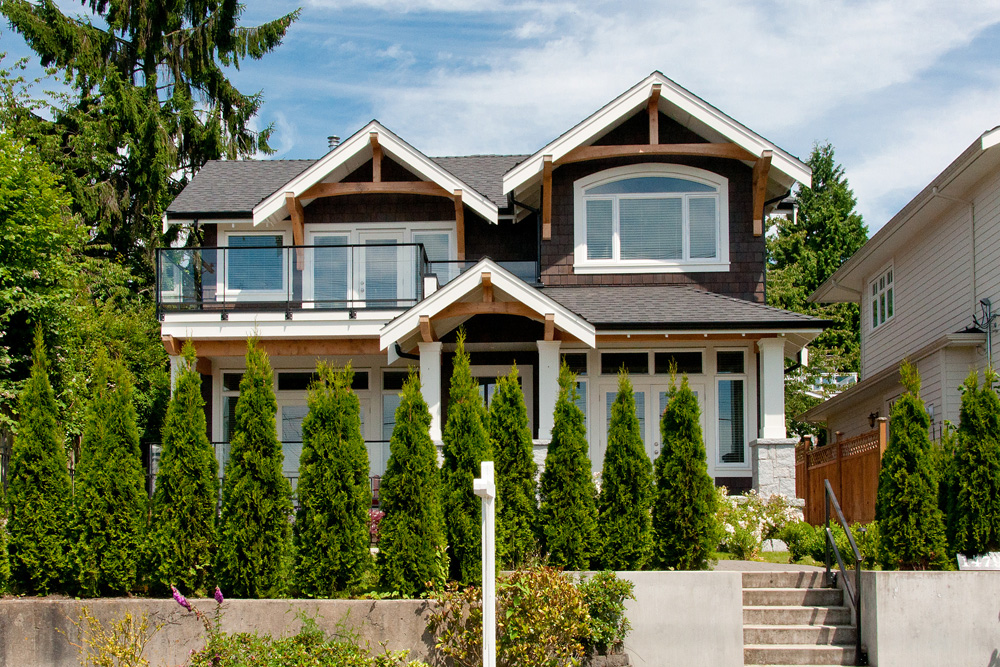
point(853, 589)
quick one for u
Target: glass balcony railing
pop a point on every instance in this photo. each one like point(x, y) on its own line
point(526, 270)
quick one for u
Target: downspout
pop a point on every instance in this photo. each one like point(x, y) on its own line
point(405, 355)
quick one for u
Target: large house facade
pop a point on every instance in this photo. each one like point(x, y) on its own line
point(635, 240)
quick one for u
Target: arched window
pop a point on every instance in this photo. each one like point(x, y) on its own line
point(651, 218)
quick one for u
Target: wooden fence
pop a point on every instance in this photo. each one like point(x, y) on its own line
point(851, 465)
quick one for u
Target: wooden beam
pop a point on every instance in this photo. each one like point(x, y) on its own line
point(459, 224)
point(376, 157)
point(653, 109)
point(467, 308)
point(204, 366)
point(426, 332)
point(546, 197)
point(487, 279)
point(760, 171)
point(550, 326)
point(171, 345)
point(298, 347)
point(385, 187)
point(298, 217)
point(720, 150)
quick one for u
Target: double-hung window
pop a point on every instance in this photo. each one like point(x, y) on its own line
point(651, 218)
point(881, 291)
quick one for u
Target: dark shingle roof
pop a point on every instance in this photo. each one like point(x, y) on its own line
point(672, 307)
point(234, 186)
point(482, 172)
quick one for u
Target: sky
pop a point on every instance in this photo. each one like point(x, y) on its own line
point(899, 87)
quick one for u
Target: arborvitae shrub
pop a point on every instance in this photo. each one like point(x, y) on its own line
point(182, 535)
point(974, 509)
point(510, 438)
point(685, 529)
point(411, 536)
point(623, 521)
point(568, 511)
point(110, 491)
point(466, 446)
point(38, 493)
point(910, 523)
point(4, 560)
point(331, 525)
point(254, 528)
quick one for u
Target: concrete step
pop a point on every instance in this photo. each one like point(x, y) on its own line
point(783, 579)
point(784, 597)
point(796, 615)
point(778, 654)
point(799, 634)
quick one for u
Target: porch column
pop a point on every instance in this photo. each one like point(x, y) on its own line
point(175, 370)
point(772, 387)
point(548, 386)
point(430, 383)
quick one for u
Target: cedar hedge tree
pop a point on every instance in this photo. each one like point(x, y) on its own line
point(331, 531)
point(974, 508)
point(38, 492)
point(466, 446)
point(109, 517)
point(568, 509)
point(510, 438)
point(4, 560)
point(685, 529)
point(254, 530)
point(411, 536)
point(623, 519)
point(182, 535)
point(911, 527)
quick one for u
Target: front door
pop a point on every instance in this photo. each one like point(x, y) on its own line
point(650, 403)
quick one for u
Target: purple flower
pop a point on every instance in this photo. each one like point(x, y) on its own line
point(218, 596)
point(181, 600)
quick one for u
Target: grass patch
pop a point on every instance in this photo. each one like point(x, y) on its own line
point(779, 557)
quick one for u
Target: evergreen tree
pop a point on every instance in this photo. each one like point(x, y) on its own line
point(411, 536)
point(331, 526)
point(911, 527)
point(623, 521)
point(466, 446)
point(510, 438)
point(685, 530)
point(39, 488)
point(182, 535)
point(568, 510)
point(4, 560)
point(974, 508)
point(254, 529)
point(109, 518)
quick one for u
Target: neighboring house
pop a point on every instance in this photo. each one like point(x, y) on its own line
point(924, 282)
point(633, 240)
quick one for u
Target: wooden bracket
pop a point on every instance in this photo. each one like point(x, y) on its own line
point(653, 109)
point(376, 157)
point(487, 287)
point(426, 332)
point(546, 197)
point(459, 224)
point(760, 172)
point(469, 308)
point(298, 217)
point(171, 345)
point(385, 187)
point(550, 326)
point(721, 150)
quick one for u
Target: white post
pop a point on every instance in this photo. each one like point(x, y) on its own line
point(485, 488)
point(772, 387)
point(548, 386)
point(175, 371)
point(430, 384)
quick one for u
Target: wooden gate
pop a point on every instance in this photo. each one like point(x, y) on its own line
point(851, 465)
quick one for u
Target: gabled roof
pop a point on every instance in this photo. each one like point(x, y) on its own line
point(231, 188)
point(676, 102)
point(355, 151)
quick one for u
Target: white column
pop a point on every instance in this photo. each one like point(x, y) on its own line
point(430, 384)
point(772, 387)
point(548, 386)
point(175, 370)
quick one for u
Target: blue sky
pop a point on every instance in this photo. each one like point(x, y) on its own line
point(899, 88)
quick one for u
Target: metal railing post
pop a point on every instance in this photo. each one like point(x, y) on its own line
point(826, 542)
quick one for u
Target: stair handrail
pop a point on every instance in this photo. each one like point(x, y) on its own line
point(853, 589)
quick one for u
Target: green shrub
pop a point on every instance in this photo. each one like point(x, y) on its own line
point(866, 537)
point(466, 446)
point(623, 521)
point(182, 538)
point(411, 536)
point(39, 488)
point(109, 518)
point(568, 508)
point(4, 559)
point(801, 539)
point(749, 520)
point(510, 438)
point(332, 532)
point(119, 643)
point(605, 595)
point(804, 540)
point(685, 529)
point(256, 498)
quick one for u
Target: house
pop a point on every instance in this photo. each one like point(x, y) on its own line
point(926, 283)
point(634, 239)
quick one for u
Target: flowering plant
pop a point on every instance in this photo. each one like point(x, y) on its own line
point(375, 517)
point(748, 520)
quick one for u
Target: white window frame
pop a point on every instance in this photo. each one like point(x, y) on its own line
point(225, 291)
point(583, 265)
point(721, 377)
point(875, 292)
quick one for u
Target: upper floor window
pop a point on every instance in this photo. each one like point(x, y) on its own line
point(882, 299)
point(651, 218)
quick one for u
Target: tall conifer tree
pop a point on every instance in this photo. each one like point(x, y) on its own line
point(4, 559)
point(110, 491)
point(254, 531)
point(331, 525)
point(39, 488)
point(182, 535)
point(411, 536)
point(466, 446)
point(626, 498)
point(568, 511)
